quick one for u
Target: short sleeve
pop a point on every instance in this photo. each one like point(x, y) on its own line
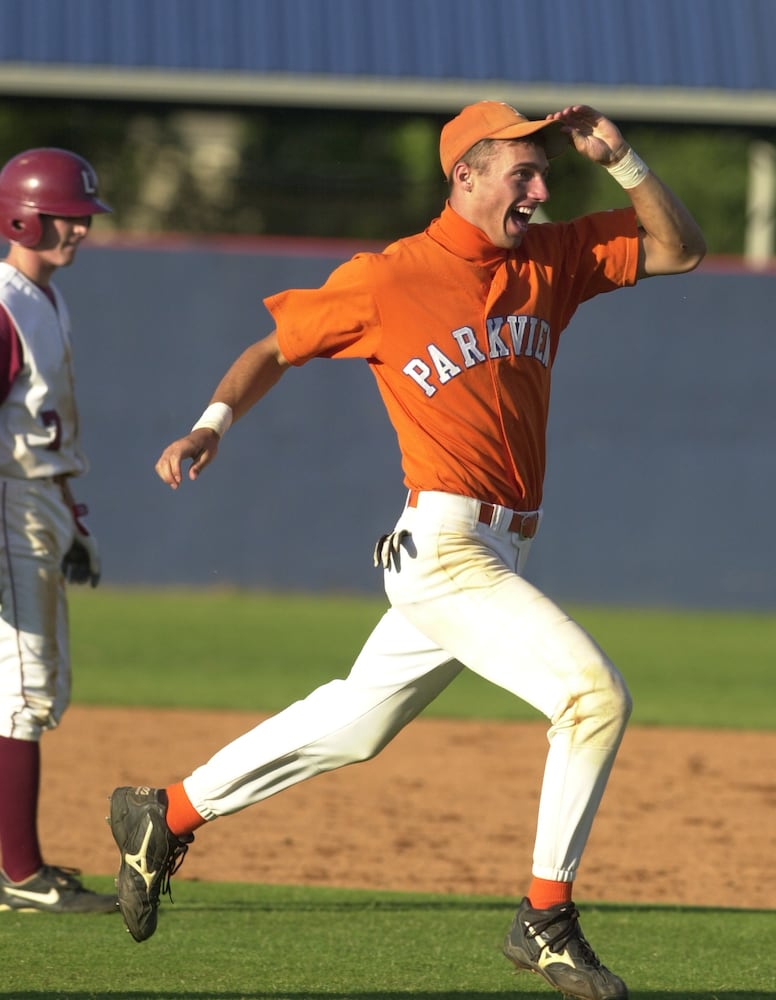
point(11, 357)
point(338, 320)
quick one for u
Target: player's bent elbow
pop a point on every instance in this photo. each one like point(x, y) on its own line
point(681, 260)
point(693, 254)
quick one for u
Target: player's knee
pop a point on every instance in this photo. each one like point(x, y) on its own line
point(599, 711)
point(617, 696)
point(607, 705)
point(626, 703)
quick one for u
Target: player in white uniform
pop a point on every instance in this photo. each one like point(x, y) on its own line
point(47, 199)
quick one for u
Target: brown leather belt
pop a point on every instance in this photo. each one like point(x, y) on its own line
point(525, 525)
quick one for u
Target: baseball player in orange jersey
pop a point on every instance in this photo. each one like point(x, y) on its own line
point(460, 325)
point(47, 199)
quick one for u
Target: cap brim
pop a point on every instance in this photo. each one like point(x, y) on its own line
point(555, 140)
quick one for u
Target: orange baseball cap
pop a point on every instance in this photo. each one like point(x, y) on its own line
point(493, 120)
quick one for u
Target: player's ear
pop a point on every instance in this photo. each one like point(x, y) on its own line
point(462, 174)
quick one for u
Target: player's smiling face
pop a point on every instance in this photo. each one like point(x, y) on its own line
point(505, 192)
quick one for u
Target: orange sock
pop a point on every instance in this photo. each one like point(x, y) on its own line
point(544, 893)
point(182, 817)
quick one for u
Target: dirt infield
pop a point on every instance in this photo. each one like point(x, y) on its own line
point(688, 818)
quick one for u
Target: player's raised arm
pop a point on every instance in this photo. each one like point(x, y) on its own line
point(249, 378)
point(671, 240)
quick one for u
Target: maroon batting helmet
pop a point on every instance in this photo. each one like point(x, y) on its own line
point(45, 181)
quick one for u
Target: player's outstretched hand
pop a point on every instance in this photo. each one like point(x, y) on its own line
point(592, 133)
point(201, 446)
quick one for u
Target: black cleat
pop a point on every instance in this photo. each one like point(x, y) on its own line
point(53, 890)
point(150, 854)
point(551, 943)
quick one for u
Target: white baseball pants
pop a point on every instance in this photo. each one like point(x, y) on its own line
point(37, 528)
point(457, 599)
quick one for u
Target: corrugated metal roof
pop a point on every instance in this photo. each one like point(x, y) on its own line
point(392, 52)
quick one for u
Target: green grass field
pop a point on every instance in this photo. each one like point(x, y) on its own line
point(237, 649)
point(244, 942)
point(248, 650)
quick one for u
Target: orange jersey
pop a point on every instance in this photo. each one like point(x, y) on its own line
point(461, 337)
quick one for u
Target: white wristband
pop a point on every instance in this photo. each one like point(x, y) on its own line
point(218, 417)
point(629, 171)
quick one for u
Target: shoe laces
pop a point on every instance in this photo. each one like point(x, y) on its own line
point(173, 862)
point(560, 927)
